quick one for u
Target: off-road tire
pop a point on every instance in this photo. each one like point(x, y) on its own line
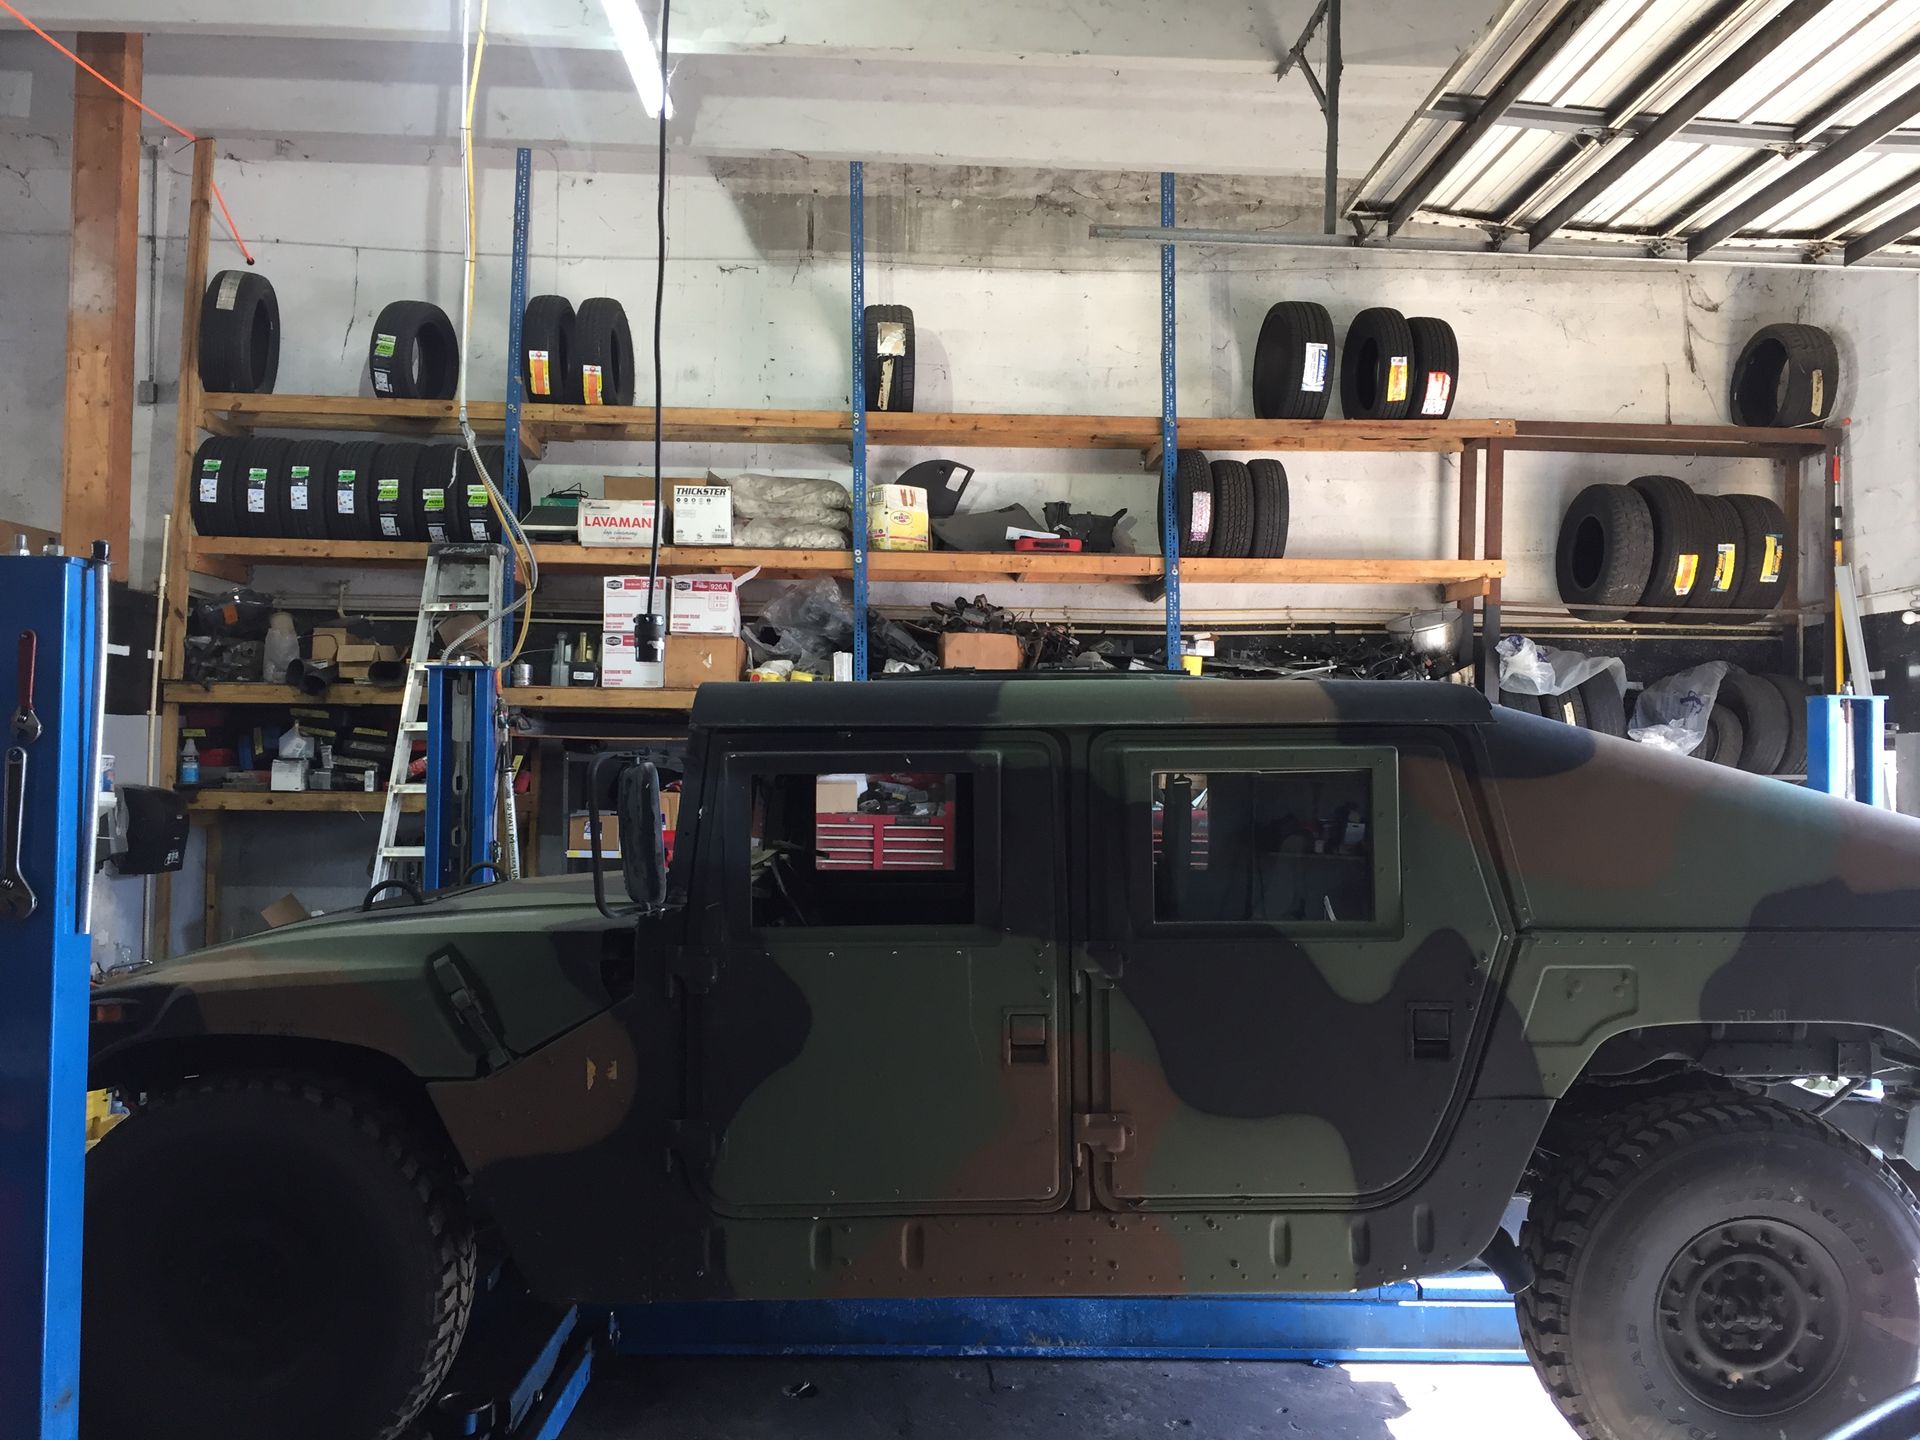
point(1233, 498)
point(269, 1257)
point(1604, 555)
point(1272, 508)
point(1621, 1212)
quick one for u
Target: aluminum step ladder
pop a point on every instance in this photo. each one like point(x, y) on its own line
point(460, 580)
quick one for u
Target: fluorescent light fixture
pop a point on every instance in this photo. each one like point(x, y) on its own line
point(642, 57)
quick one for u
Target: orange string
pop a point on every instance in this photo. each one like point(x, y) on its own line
point(144, 109)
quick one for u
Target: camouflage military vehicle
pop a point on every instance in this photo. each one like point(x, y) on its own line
point(1060, 987)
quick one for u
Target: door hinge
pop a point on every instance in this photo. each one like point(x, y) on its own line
point(1110, 1134)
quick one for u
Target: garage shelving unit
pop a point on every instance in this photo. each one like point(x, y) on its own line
point(1471, 577)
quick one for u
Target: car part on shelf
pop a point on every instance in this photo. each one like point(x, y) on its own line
point(1605, 552)
point(1233, 510)
point(347, 502)
point(1786, 375)
point(1272, 508)
point(414, 353)
point(1436, 367)
point(1376, 367)
point(1677, 526)
point(602, 353)
point(1293, 362)
point(548, 374)
point(887, 337)
point(936, 478)
point(215, 501)
point(239, 334)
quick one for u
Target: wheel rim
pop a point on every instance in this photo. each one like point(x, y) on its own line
point(1753, 1317)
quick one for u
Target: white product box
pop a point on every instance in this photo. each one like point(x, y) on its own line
point(615, 522)
point(704, 605)
point(623, 600)
point(289, 775)
point(620, 667)
point(702, 515)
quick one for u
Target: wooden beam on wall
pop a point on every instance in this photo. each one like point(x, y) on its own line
point(96, 498)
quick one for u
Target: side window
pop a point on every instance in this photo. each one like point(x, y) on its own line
point(861, 848)
point(1272, 845)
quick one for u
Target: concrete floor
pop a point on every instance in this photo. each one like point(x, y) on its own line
point(815, 1399)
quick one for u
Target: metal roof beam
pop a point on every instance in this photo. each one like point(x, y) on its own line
point(1504, 97)
point(1895, 228)
point(1592, 120)
point(1884, 121)
point(1762, 43)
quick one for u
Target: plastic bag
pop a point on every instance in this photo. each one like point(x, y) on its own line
point(1530, 669)
point(1671, 714)
point(756, 495)
point(784, 533)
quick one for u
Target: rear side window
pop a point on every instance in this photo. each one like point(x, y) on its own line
point(1285, 846)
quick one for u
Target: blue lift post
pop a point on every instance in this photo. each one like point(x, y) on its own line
point(1169, 432)
point(1845, 739)
point(43, 1019)
point(509, 478)
point(857, 220)
point(463, 775)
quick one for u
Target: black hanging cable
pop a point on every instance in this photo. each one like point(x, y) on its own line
point(650, 629)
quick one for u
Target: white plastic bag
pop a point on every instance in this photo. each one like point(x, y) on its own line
point(757, 494)
point(1530, 669)
point(781, 533)
point(1671, 714)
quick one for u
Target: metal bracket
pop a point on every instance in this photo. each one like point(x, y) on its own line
point(1326, 92)
point(455, 984)
point(1109, 1133)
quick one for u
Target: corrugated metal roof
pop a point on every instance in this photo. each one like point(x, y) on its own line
point(1625, 64)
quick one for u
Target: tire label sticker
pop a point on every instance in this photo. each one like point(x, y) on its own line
point(383, 346)
point(230, 293)
point(1685, 571)
point(432, 501)
point(343, 492)
point(539, 370)
point(1439, 389)
point(1200, 523)
point(1773, 560)
point(257, 491)
point(590, 384)
point(387, 492)
point(476, 497)
point(390, 526)
point(297, 488)
point(1396, 379)
point(1566, 712)
point(889, 337)
point(1819, 392)
point(209, 481)
point(479, 528)
point(1313, 368)
point(437, 531)
point(1723, 569)
point(382, 381)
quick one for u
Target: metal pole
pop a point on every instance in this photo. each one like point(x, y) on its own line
point(516, 313)
point(1332, 107)
point(1169, 432)
point(856, 211)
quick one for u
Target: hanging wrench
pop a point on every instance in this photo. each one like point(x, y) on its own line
point(26, 724)
point(16, 896)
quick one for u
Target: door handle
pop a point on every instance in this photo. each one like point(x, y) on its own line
point(1028, 1037)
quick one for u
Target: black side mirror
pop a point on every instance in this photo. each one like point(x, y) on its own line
point(643, 852)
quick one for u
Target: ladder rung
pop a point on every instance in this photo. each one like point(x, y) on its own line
point(408, 788)
point(457, 607)
point(413, 727)
point(404, 852)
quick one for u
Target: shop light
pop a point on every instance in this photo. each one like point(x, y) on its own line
point(642, 57)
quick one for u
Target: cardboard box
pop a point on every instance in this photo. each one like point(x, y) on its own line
point(838, 794)
point(577, 828)
point(702, 515)
point(979, 651)
point(614, 522)
point(284, 911)
point(897, 517)
point(621, 667)
point(704, 605)
point(695, 659)
point(624, 599)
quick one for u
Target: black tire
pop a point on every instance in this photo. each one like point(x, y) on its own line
point(548, 375)
point(1761, 710)
point(414, 353)
point(474, 519)
point(891, 373)
point(1685, 1188)
point(396, 492)
point(1376, 364)
point(1677, 528)
point(303, 489)
point(262, 482)
point(1721, 555)
point(603, 353)
point(1605, 551)
point(1233, 501)
point(1763, 535)
point(303, 1267)
point(1569, 708)
point(1605, 707)
point(1525, 704)
point(1785, 375)
point(216, 485)
point(239, 334)
point(348, 499)
point(1725, 740)
point(437, 493)
point(1793, 759)
point(1293, 375)
point(1436, 368)
point(1193, 478)
point(1272, 508)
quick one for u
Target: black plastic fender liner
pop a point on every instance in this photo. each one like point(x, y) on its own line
point(414, 353)
point(1785, 375)
point(1272, 508)
point(1233, 502)
point(548, 375)
point(303, 490)
point(602, 353)
point(262, 482)
point(1436, 367)
point(239, 333)
point(1604, 555)
point(1376, 367)
point(887, 339)
point(213, 502)
point(396, 492)
point(1293, 362)
point(347, 492)
point(1678, 525)
point(1763, 530)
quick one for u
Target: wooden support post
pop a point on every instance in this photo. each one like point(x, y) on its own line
point(1493, 528)
point(96, 499)
point(173, 638)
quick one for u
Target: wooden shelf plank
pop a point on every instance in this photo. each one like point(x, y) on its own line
point(588, 697)
point(352, 413)
point(188, 692)
point(1316, 570)
point(299, 802)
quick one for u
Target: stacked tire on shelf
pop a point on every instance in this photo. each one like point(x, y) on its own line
point(576, 357)
point(270, 488)
point(1228, 509)
point(1758, 724)
point(1390, 367)
point(1655, 550)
